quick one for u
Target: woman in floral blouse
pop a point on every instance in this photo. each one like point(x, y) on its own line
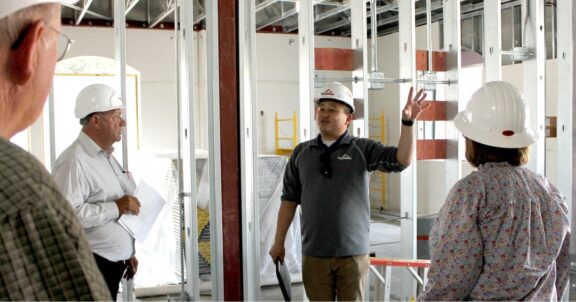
point(503, 231)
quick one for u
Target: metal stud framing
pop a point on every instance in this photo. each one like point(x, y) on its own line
point(359, 44)
point(566, 112)
point(452, 44)
point(306, 72)
point(492, 41)
point(120, 55)
point(408, 197)
point(213, 92)
point(120, 60)
point(534, 77)
point(306, 62)
point(186, 141)
point(248, 147)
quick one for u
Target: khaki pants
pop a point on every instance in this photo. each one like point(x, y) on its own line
point(328, 278)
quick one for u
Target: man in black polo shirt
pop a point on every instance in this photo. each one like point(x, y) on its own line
point(329, 176)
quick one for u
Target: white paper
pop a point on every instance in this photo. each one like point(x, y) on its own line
point(151, 204)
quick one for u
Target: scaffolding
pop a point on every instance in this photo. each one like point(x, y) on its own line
point(381, 268)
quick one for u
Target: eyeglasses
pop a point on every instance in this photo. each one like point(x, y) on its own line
point(64, 42)
point(326, 168)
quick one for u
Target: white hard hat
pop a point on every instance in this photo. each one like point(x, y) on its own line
point(7, 7)
point(337, 92)
point(96, 98)
point(497, 115)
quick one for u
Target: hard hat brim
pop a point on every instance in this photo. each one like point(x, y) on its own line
point(8, 7)
point(85, 114)
point(320, 100)
point(518, 140)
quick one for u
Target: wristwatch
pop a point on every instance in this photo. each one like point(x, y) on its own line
point(408, 123)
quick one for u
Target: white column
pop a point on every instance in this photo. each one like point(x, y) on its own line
point(306, 123)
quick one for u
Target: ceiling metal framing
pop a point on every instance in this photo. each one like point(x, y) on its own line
point(332, 17)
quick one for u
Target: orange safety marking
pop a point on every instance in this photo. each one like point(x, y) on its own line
point(399, 262)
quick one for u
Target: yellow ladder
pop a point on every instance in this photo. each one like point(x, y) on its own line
point(380, 136)
point(283, 150)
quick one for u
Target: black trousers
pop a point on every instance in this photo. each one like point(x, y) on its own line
point(112, 273)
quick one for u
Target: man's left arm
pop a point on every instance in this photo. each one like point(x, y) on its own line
point(405, 146)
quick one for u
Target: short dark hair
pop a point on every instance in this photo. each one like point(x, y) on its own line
point(348, 109)
point(478, 154)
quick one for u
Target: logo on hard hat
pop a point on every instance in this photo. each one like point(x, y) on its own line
point(497, 115)
point(327, 92)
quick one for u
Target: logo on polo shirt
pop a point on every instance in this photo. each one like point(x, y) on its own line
point(344, 157)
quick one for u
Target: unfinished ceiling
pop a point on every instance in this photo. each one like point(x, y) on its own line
point(332, 17)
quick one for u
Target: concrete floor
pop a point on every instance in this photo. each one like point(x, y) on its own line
point(384, 242)
point(268, 293)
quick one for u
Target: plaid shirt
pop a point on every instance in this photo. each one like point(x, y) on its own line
point(43, 253)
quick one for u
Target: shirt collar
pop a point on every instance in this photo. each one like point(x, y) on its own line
point(492, 165)
point(343, 139)
point(91, 147)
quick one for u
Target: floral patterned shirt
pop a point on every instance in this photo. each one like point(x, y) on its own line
point(502, 234)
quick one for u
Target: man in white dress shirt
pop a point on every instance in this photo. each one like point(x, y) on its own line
point(97, 186)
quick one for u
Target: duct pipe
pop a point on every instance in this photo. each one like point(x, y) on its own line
point(429, 31)
point(525, 21)
point(374, 35)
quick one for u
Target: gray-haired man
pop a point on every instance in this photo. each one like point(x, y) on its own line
point(43, 252)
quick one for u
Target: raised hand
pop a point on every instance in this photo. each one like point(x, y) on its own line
point(414, 106)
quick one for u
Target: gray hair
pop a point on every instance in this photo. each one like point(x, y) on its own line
point(84, 121)
point(12, 25)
